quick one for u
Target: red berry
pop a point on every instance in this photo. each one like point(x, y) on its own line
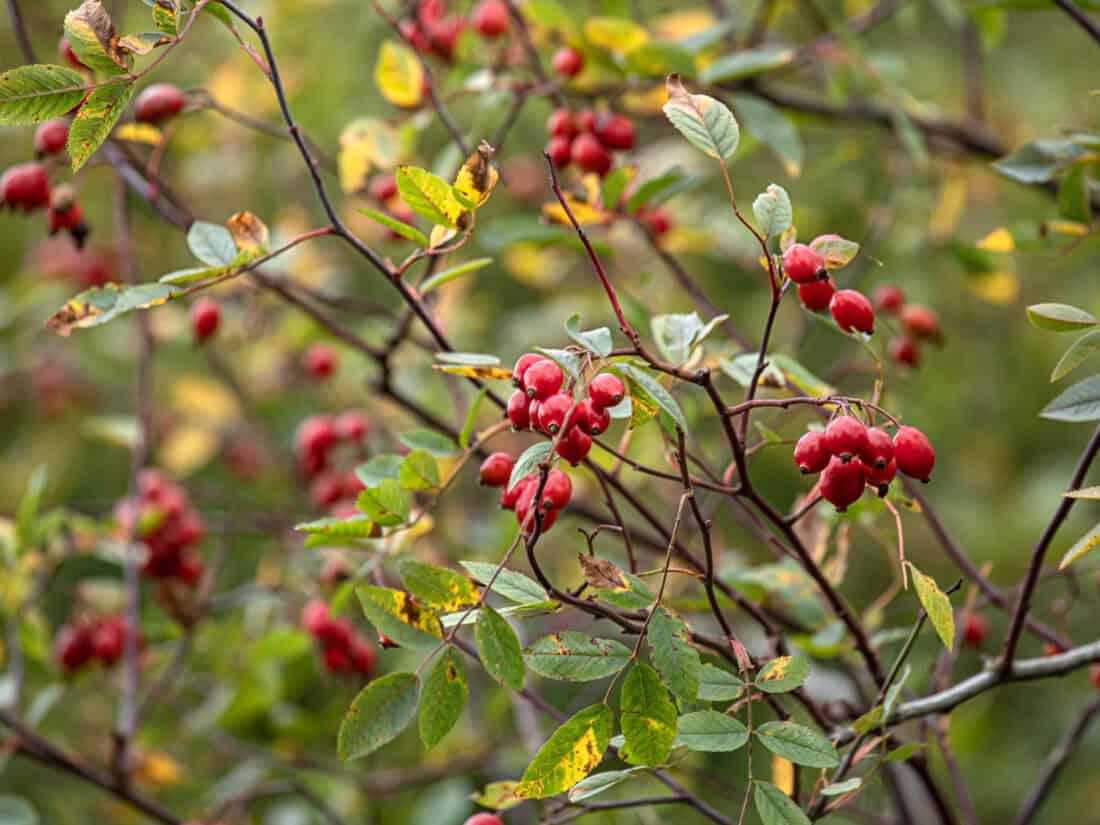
point(523, 363)
point(560, 150)
point(543, 379)
point(562, 124)
point(205, 314)
point(568, 62)
point(594, 420)
point(802, 264)
point(920, 322)
point(1094, 676)
point(382, 187)
point(319, 361)
point(524, 499)
point(496, 469)
point(903, 350)
point(352, 425)
point(412, 32)
point(810, 453)
point(51, 136)
point(314, 617)
point(444, 36)
point(158, 102)
point(337, 658)
point(315, 435)
point(974, 630)
point(363, 657)
point(484, 819)
point(846, 437)
point(69, 217)
point(533, 414)
point(557, 490)
point(574, 446)
point(658, 221)
point(108, 638)
point(842, 484)
point(65, 50)
point(190, 569)
point(889, 298)
point(553, 412)
point(816, 295)
point(606, 390)
point(914, 453)
point(72, 647)
point(25, 186)
point(518, 404)
point(586, 121)
point(490, 18)
point(881, 478)
point(615, 131)
point(852, 311)
point(590, 155)
point(880, 450)
point(508, 498)
point(326, 489)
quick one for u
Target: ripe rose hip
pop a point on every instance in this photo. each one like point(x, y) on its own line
point(363, 657)
point(70, 218)
point(313, 439)
point(158, 102)
point(920, 322)
point(553, 412)
point(518, 404)
point(586, 121)
point(557, 490)
point(658, 221)
point(903, 350)
point(444, 36)
point(593, 419)
point(496, 469)
point(914, 453)
point(606, 390)
point(108, 637)
point(326, 489)
point(560, 150)
point(974, 630)
point(533, 407)
point(319, 361)
point(561, 124)
point(205, 314)
point(810, 453)
point(490, 18)
point(382, 187)
point(842, 484)
point(523, 363)
point(543, 379)
point(802, 264)
point(881, 478)
point(574, 446)
point(25, 186)
point(484, 819)
point(72, 647)
point(412, 32)
point(889, 298)
point(880, 450)
point(816, 295)
point(336, 658)
point(590, 155)
point(846, 437)
point(852, 311)
point(615, 131)
point(351, 425)
point(51, 137)
point(65, 51)
point(508, 498)
point(314, 617)
point(568, 62)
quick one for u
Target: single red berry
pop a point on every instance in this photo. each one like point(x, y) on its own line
point(108, 638)
point(816, 295)
point(158, 102)
point(574, 446)
point(51, 137)
point(914, 453)
point(881, 478)
point(852, 311)
point(524, 362)
point(615, 131)
point(508, 498)
point(658, 221)
point(974, 630)
point(70, 218)
point(562, 124)
point(554, 411)
point(557, 491)
point(842, 484)
point(72, 647)
point(319, 361)
point(351, 425)
point(880, 451)
point(484, 819)
point(810, 453)
point(314, 617)
point(190, 569)
point(606, 390)
point(518, 404)
point(65, 50)
point(590, 155)
point(889, 298)
point(326, 489)
point(25, 186)
point(337, 658)
point(1094, 676)
point(568, 62)
point(312, 440)
point(490, 18)
point(496, 469)
point(543, 379)
point(412, 32)
point(903, 350)
point(444, 36)
point(846, 437)
point(382, 187)
point(920, 321)
point(593, 419)
point(560, 150)
point(205, 314)
point(802, 264)
point(586, 121)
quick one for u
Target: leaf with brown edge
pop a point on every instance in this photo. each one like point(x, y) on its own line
point(707, 123)
point(101, 304)
point(94, 40)
point(95, 120)
point(249, 232)
point(477, 178)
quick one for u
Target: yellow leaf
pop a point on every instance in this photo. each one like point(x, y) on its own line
point(949, 207)
point(202, 401)
point(681, 24)
point(584, 213)
point(783, 774)
point(532, 264)
point(399, 75)
point(159, 769)
point(145, 133)
point(477, 178)
point(469, 371)
point(616, 34)
point(999, 240)
point(186, 449)
point(440, 235)
point(249, 232)
point(366, 143)
point(1071, 228)
point(1001, 287)
point(648, 102)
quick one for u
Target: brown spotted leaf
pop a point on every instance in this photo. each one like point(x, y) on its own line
point(396, 614)
point(105, 303)
point(94, 40)
point(443, 698)
point(601, 573)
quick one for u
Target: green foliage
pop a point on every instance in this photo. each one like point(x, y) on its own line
point(673, 655)
point(378, 715)
point(499, 648)
point(571, 753)
point(32, 94)
point(648, 717)
point(576, 657)
point(443, 698)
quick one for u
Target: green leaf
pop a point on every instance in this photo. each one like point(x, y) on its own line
point(378, 714)
point(840, 788)
point(1074, 202)
point(101, 304)
point(439, 588)
point(710, 731)
point(528, 462)
point(718, 685)
point(706, 123)
point(448, 275)
point(1077, 354)
point(597, 783)
point(32, 94)
point(596, 340)
point(430, 441)
point(443, 698)
point(645, 381)
point(798, 744)
point(95, 120)
point(793, 371)
point(1039, 161)
point(936, 605)
point(393, 613)
point(374, 472)
point(388, 504)
point(419, 471)
point(635, 596)
point(356, 527)
point(783, 674)
point(648, 718)
point(15, 810)
point(94, 40)
point(614, 185)
point(571, 753)
point(903, 752)
point(1087, 542)
point(211, 243)
point(678, 335)
point(409, 233)
point(657, 58)
point(471, 418)
point(656, 191)
point(773, 128)
point(775, 807)
point(499, 648)
point(576, 657)
point(742, 64)
point(773, 210)
point(1081, 402)
point(467, 359)
point(569, 361)
point(672, 654)
point(428, 195)
point(1060, 317)
point(513, 586)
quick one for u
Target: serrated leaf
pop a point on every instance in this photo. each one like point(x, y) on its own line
point(773, 210)
point(1060, 317)
point(419, 471)
point(1077, 354)
point(378, 715)
point(387, 504)
point(443, 698)
point(513, 586)
point(775, 807)
point(597, 783)
point(718, 685)
point(399, 75)
point(647, 717)
point(211, 243)
point(797, 743)
point(1083, 545)
point(576, 657)
point(672, 654)
point(166, 17)
point(429, 196)
point(1081, 402)
point(94, 40)
point(710, 731)
point(742, 64)
point(409, 233)
point(499, 648)
point(708, 124)
point(439, 588)
point(528, 462)
point(395, 614)
point(453, 273)
point(101, 304)
point(783, 674)
point(95, 120)
point(32, 94)
point(571, 753)
point(937, 605)
point(596, 340)
point(653, 390)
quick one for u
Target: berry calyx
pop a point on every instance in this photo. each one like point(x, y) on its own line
point(842, 484)
point(615, 131)
point(881, 478)
point(920, 321)
point(606, 390)
point(880, 451)
point(490, 18)
point(852, 311)
point(889, 298)
point(903, 350)
point(802, 264)
point(575, 445)
point(543, 379)
point(518, 404)
point(810, 453)
point(974, 630)
point(562, 124)
point(522, 364)
point(846, 438)
point(51, 137)
point(319, 361)
point(205, 314)
point(554, 411)
point(816, 295)
point(914, 453)
point(25, 186)
point(590, 155)
point(593, 419)
point(496, 470)
point(568, 62)
point(557, 491)
point(157, 103)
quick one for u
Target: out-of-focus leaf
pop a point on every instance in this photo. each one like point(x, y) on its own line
point(937, 605)
point(105, 303)
point(1081, 402)
point(739, 65)
point(1087, 542)
point(399, 75)
point(1060, 317)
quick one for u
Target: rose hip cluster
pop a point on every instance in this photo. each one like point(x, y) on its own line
point(587, 138)
point(851, 457)
point(101, 639)
point(556, 492)
point(343, 651)
point(850, 308)
point(919, 324)
point(167, 525)
point(25, 187)
point(315, 444)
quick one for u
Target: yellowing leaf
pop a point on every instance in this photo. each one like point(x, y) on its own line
point(1001, 287)
point(682, 24)
point(477, 178)
point(571, 753)
point(366, 143)
point(648, 102)
point(202, 400)
point(145, 133)
point(475, 371)
point(440, 235)
point(936, 605)
point(783, 774)
point(949, 207)
point(186, 449)
point(249, 232)
point(534, 265)
point(617, 34)
point(999, 240)
point(399, 75)
point(159, 769)
point(1071, 228)
point(1087, 542)
point(99, 305)
point(430, 197)
point(584, 213)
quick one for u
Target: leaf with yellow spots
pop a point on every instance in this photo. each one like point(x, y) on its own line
point(438, 587)
point(937, 605)
point(366, 143)
point(249, 233)
point(616, 34)
point(783, 674)
point(399, 75)
point(101, 304)
point(396, 614)
point(477, 178)
point(648, 718)
point(468, 371)
point(443, 698)
point(571, 753)
point(145, 133)
point(430, 196)
point(783, 774)
point(999, 240)
point(95, 120)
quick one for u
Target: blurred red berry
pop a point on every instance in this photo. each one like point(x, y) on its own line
point(568, 62)
point(590, 155)
point(319, 361)
point(852, 311)
point(205, 314)
point(157, 103)
point(490, 18)
point(51, 137)
point(25, 186)
point(889, 298)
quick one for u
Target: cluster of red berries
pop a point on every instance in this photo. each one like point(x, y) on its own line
point(101, 639)
point(343, 651)
point(314, 443)
point(556, 492)
point(432, 30)
point(919, 323)
point(849, 307)
point(25, 187)
point(167, 525)
point(851, 456)
point(587, 138)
